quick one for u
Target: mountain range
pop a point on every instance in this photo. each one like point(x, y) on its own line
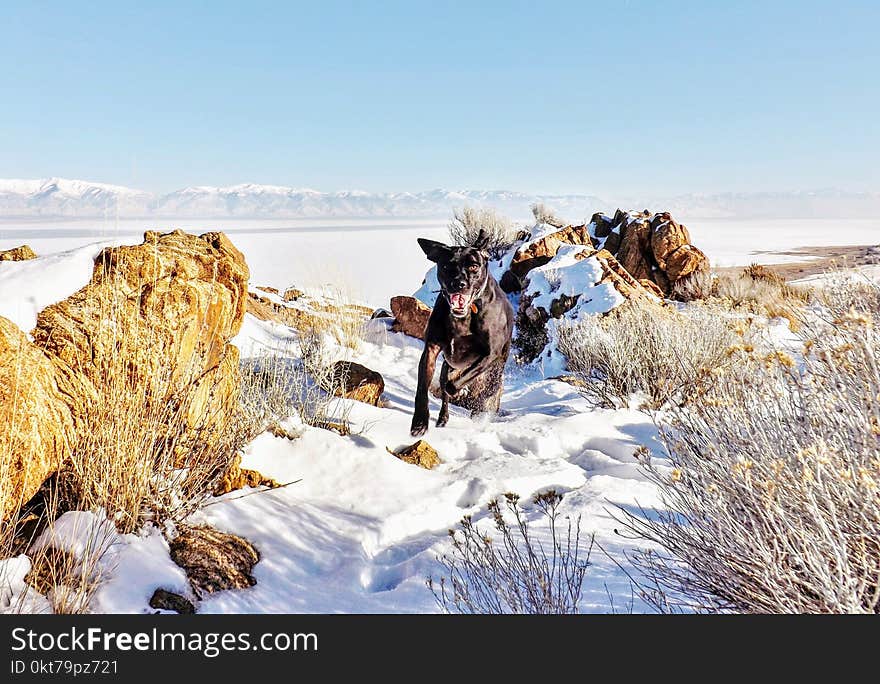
point(59, 197)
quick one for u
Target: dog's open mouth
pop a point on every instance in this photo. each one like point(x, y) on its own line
point(458, 303)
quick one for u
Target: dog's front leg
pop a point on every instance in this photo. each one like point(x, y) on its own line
point(421, 416)
point(468, 375)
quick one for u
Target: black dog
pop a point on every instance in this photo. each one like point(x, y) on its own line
point(471, 324)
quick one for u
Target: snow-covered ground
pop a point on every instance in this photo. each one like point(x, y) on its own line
point(361, 530)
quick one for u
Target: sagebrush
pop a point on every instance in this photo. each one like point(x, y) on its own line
point(513, 572)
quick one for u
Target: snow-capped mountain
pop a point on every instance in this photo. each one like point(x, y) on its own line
point(58, 197)
point(63, 197)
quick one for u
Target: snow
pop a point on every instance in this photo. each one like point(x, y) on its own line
point(28, 287)
point(360, 531)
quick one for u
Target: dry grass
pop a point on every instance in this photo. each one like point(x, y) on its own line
point(466, 224)
point(644, 353)
point(297, 380)
point(773, 500)
point(544, 214)
point(513, 573)
point(760, 290)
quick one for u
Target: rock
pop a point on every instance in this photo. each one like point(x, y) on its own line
point(162, 599)
point(36, 425)
point(160, 315)
point(538, 252)
point(685, 260)
point(666, 237)
point(237, 477)
point(354, 381)
point(635, 249)
point(214, 560)
point(381, 313)
point(22, 253)
point(292, 294)
point(269, 290)
point(421, 454)
point(510, 282)
point(410, 316)
point(652, 287)
point(602, 225)
point(613, 272)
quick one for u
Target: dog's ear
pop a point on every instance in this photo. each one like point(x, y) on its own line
point(435, 251)
point(482, 241)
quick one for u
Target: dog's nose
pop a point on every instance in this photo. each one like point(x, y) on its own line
point(459, 284)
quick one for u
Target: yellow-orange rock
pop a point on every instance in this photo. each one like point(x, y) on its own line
point(421, 454)
point(354, 381)
point(35, 423)
point(22, 253)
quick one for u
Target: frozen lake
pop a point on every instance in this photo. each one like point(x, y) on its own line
point(375, 259)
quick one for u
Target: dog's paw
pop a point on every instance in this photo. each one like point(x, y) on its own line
point(419, 427)
point(451, 389)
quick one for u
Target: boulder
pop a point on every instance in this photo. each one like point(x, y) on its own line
point(666, 237)
point(156, 319)
point(652, 287)
point(36, 425)
point(213, 560)
point(410, 316)
point(421, 454)
point(635, 249)
point(685, 260)
point(22, 253)
point(538, 252)
point(354, 381)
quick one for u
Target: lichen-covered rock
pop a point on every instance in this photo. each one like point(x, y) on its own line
point(421, 454)
point(214, 560)
point(410, 316)
point(22, 253)
point(36, 426)
point(354, 381)
point(162, 314)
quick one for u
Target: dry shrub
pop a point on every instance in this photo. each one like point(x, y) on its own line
point(773, 501)
point(466, 224)
point(697, 286)
point(297, 380)
point(544, 214)
point(645, 352)
point(513, 573)
point(761, 290)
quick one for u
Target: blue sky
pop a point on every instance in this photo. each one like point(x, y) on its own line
point(606, 98)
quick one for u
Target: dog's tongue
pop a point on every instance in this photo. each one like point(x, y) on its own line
point(457, 301)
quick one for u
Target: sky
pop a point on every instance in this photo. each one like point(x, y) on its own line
point(605, 98)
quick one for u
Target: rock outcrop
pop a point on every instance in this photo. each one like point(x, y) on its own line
point(410, 316)
point(151, 327)
point(22, 253)
point(36, 425)
point(161, 313)
point(237, 477)
point(653, 248)
point(538, 251)
point(354, 381)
